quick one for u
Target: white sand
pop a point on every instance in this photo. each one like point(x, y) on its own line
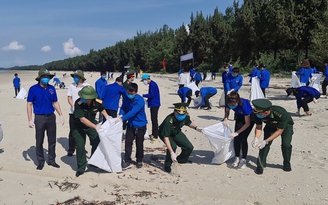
point(197, 183)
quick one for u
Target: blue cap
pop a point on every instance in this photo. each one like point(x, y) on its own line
point(145, 76)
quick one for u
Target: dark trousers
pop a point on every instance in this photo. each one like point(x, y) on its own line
point(137, 134)
point(189, 94)
point(17, 91)
point(305, 101)
point(71, 141)
point(263, 91)
point(213, 77)
point(207, 100)
point(286, 147)
point(154, 120)
point(112, 113)
point(324, 87)
point(45, 123)
point(197, 82)
point(240, 142)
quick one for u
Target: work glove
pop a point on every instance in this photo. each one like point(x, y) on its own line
point(262, 144)
point(98, 126)
point(173, 157)
point(62, 121)
point(225, 123)
point(108, 117)
point(315, 100)
point(31, 124)
point(199, 129)
point(233, 135)
point(255, 142)
point(119, 119)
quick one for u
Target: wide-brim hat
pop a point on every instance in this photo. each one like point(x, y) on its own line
point(42, 72)
point(78, 73)
point(88, 93)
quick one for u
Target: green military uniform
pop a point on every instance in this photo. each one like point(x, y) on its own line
point(278, 118)
point(81, 130)
point(126, 83)
point(171, 128)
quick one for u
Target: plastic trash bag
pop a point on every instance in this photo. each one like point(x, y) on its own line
point(315, 81)
point(197, 101)
point(256, 92)
point(193, 87)
point(1, 133)
point(22, 94)
point(108, 153)
point(295, 81)
point(222, 100)
point(208, 77)
point(221, 143)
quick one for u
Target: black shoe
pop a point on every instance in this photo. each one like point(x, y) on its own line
point(187, 162)
point(208, 108)
point(54, 164)
point(40, 167)
point(139, 165)
point(126, 165)
point(167, 169)
point(259, 170)
point(287, 169)
point(69, 154)
point(78, 173)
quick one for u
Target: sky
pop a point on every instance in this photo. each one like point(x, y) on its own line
point(36, 32)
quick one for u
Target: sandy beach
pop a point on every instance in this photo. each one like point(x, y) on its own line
point(196, 183)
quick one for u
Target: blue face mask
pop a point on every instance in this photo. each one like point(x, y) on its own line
point(83, 100)
point(232, 106)
point(103, 77)
point(180, 117)
point(260, 116)
point(45, 81)
point(226, 70)
point(233, 75)
point(130, 96)
point(76, 79)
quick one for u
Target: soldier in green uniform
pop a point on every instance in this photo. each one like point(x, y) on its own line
point(170, 133)
point(278, 122)
point(85, 110)
point(130, 79)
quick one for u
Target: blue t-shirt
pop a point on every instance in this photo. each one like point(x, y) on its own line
point(244, 110)
point(42, 99)
point(111, 96)
point(154, 99)
point(183, 92)
point(16, 82)
point(100, 86)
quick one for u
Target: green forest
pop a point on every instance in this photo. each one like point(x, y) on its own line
point(278, 33)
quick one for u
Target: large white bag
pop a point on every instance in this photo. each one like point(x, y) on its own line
point(222, 100)
point(198, 101)
point(256, 92)
point(108, 153)
point(208, 77)
point(315, 81)
point(221, 143)
point(295, 81)
point(22, 94)
point(193, 87)
point(1, 133)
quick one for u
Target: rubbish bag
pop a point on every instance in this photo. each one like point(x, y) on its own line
point(22, 94)
point(193, 87)
point(197, 101)
point(222, 100)
point(295, 81)
point(108, 153)
point(221, 143)
point(1, 133)
point(315, 81)
point(256, 92)
point(208, 77)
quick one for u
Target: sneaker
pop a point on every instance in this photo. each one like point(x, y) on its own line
point(236, 162)
point(287, 169)
point(259, 170)
point(126, 165)
point(139, 165)
point(323, 96)
point(208, 108)
point(242, 164)
point(153, 139)
point(167, 169)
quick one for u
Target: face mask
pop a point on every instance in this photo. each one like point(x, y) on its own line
point(45, 81)
point(132, 80)
point(234, 75)
point(180, 117)
point(226, 70)
point(260, 116)
point(130, 96)
point(145, 82)
point(103, 77)
point(232, 106)
point(76, 79)
point(83, 100)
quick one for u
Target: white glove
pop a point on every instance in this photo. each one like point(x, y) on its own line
point(31, 124)
point(233, 135)
point(98, 126)
point(255, 142)
point(315, 100)
point(108, 117)
point(262, 144)
point(62, 121)
point(225, 123)
point(173, 157)
point(119, 119)
point(199, 129)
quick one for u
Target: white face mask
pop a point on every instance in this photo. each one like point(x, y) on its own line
point(145, 82)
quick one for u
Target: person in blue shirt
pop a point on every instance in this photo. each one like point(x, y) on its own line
point(191, 73)
point(234, 81)
point(197, 77)
point(304, 95)
point(243, 125)
point(184, 93)
point(305, 73)
point(225, 75)
point(325, 81)
point(17, 84)
point(254, 73)
point(43, 98)
point(213, 74)
point(264, 78)
point(112, 95)
point(154, 102)
point(133, 110)
point(312, 67)
point(100, 86)
point(206, 93)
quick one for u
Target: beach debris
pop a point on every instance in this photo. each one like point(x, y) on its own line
point(78, 200)
point(65, 185)
point(94, 186)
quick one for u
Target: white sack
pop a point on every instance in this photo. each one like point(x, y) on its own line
point(108, 153)
point(1, 133)
point(315, 81)
point(222, 100)
point(22, 94)
point(221, 143)
point(193, 87)
point(146, 136)
point(197, 101)
point(295, 81)
point(256, 92)
point(208, 76)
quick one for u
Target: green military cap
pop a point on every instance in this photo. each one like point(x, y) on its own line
point(78, 73)
point(261, 105)
point(42, 72)
point(130, 72)
point(88, 93)
point(181, 108)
